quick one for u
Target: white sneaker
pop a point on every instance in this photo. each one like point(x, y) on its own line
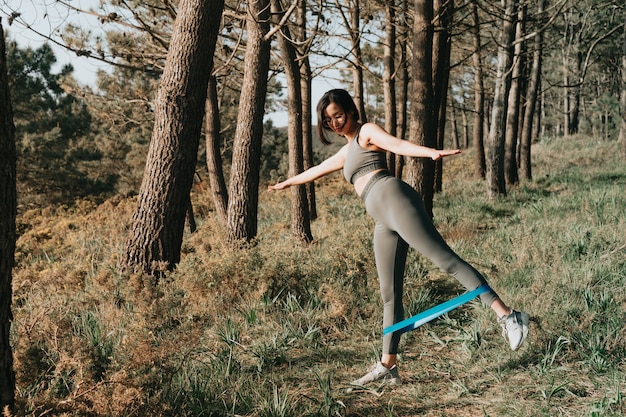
point(389, 376)
point(514, 328)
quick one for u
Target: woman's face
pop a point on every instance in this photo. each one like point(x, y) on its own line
point(336, 119)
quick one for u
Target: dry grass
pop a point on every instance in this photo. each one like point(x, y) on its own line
point(278, 329)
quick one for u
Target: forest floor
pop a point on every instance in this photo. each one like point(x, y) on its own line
point(280, 329)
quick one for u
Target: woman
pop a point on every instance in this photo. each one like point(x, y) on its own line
point(401, 220)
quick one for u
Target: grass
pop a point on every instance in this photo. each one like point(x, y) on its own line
point(279, 329)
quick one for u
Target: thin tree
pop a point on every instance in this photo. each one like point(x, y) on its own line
point(404, 79)
point(421, 171)
point(496, 184)
point(353, 25)
point(531, 98)
point(465, 137)
point(8, 210)
point(455, 126)
point(156, 232)
point(586, 27)
point(572, 67)
point(241, 225)
point(300, 221)
point(443, 11)
point(511, 175)
point(303, 49)
point(213, 133)
point(479, 97)
point(622, 130)
point(389, 72)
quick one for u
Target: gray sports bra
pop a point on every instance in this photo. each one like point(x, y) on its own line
point(359, 161)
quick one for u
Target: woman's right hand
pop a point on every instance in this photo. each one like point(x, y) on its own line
point(278, 186)
point(440, 153)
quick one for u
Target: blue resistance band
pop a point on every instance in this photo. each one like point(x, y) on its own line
point(424, 317)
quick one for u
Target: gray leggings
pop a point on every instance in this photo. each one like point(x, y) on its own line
point(401, 220)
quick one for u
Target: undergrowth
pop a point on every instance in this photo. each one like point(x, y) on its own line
point(279, 329)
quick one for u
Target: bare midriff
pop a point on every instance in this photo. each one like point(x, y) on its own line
point(361, 182)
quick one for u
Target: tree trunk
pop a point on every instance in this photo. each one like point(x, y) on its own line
point(540, 127)
point(441, 75)
point(622, 130)
point(478, 130)
point(511, 175)
point(307, 105)
point(572, 62)
point(566, 95)
point(357, 69)
point(244, 180)
point(531, 99)
point(8, 210)
point(455, 127)
point(300, 221)
point(465, 142)
point(403, 93)
point(190, 218)
point(389, 81)
point(214, 163)
point(495, 161)
point(156, 232)
point(421, 171)
point(574, 102)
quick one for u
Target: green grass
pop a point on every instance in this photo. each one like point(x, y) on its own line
point(279, 329)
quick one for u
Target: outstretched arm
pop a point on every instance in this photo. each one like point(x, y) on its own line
point(332, 164)
point(376, 135)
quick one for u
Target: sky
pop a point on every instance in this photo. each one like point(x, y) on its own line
point(47, 16)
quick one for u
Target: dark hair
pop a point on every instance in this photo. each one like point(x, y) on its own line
point(344, 100)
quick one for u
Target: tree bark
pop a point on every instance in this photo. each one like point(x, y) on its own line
point(511, 174)
point(531, 99)
point(300, 221)
point(478, 130)
point(441, 75)
point(156, 232)
point(244, 180)
point(572, 61)
point(214, 163)
point(575, 91)
point(8, 211)
point(190, 218)
point(421, 171)
point(465, 136)
point(389, 81)
point(307, 105)
point(496, 184)
point(622, 130)
point(455, 127)
point(403, 91)
point(357, 67)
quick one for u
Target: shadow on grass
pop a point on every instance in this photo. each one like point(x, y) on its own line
point(609, 178)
